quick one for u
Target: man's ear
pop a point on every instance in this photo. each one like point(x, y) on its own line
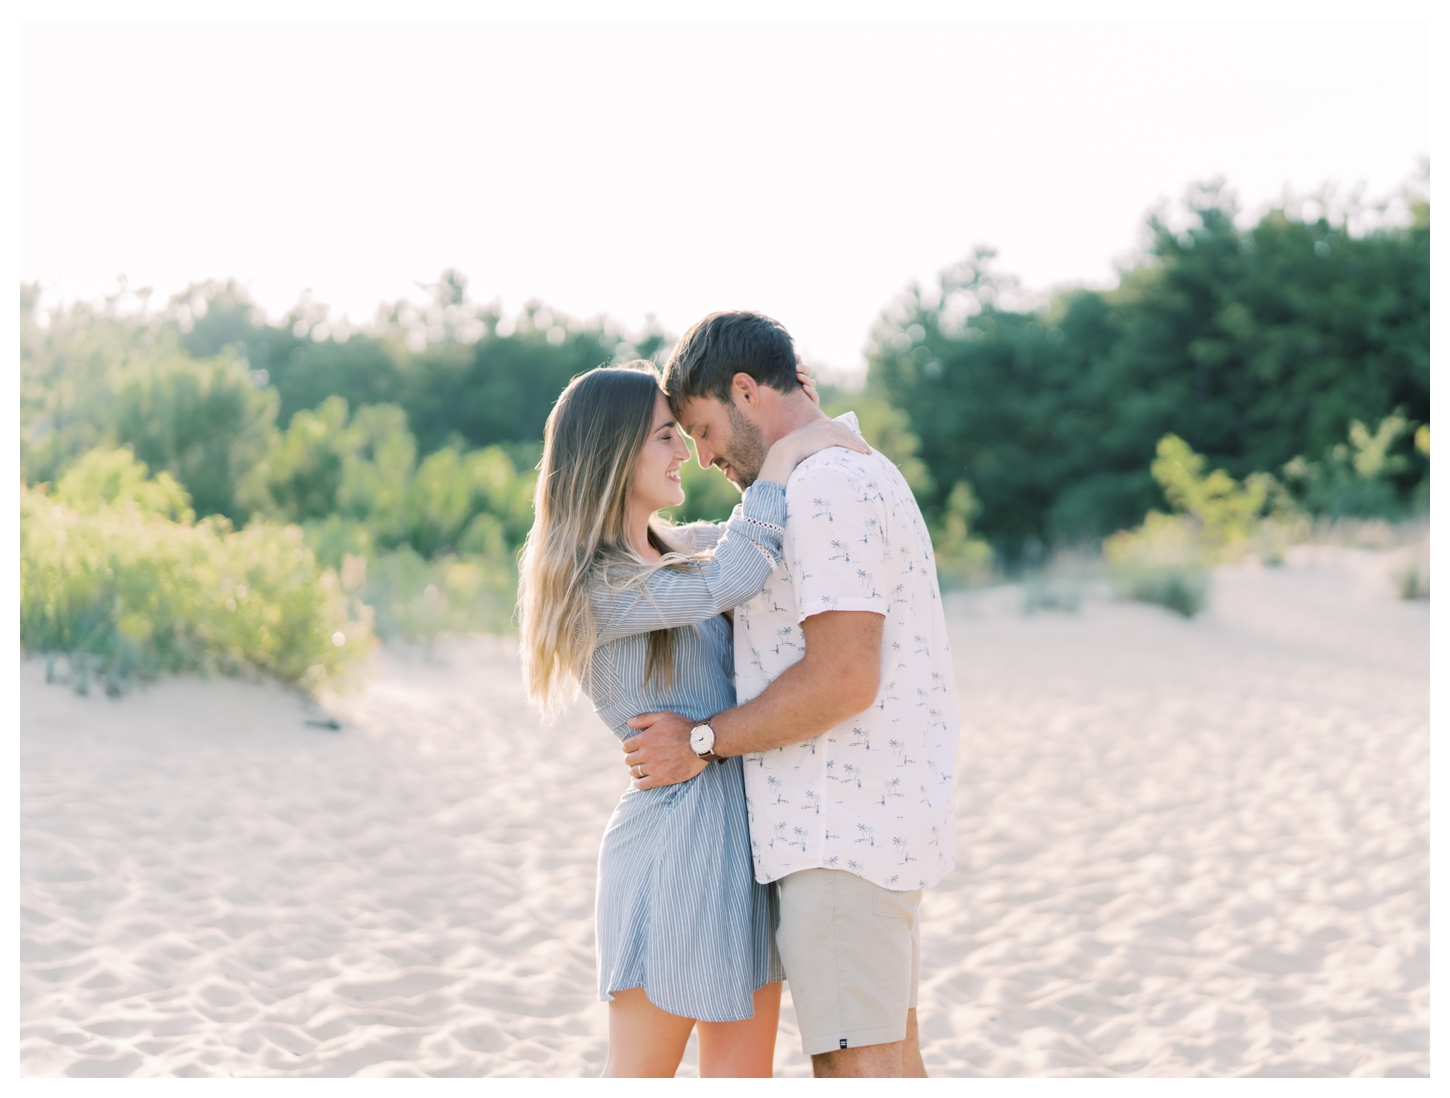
point(744, 389)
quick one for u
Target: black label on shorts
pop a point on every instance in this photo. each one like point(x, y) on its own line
point(843, 1042)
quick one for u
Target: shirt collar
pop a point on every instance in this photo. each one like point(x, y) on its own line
point(849, 419)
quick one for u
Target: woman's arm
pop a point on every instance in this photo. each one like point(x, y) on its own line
point(745, 556)
point(698, 536)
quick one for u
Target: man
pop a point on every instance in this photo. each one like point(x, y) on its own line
point(847, 713)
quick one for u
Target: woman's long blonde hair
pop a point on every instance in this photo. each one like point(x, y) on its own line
point(592, 440)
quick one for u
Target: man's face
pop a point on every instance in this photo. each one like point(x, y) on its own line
point(724, 437)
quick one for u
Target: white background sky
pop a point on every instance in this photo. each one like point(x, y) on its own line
point(808, 170)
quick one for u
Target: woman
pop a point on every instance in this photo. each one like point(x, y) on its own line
point(613, 598)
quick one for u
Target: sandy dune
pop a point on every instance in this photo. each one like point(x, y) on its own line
point(1186, 848)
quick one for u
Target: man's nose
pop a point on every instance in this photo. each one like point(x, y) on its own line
point(704, 454)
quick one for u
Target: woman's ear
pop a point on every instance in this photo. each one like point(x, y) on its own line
point(745, 388)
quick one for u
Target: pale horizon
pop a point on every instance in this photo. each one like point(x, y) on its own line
point(629, 170)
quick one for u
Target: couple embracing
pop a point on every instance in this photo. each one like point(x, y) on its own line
point(783, 689)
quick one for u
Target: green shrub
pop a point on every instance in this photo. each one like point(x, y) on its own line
point(341, 476)
point(333, 538)
point(1222, 512)
point(1048, 592)
point(961, 559)
point(203, 420)
point(303, 469)
point(1413, 580)
point(416, 599)
point(428, 544)
point(91, 378)
point(1070, 574)
point(467, 501)
point(1166, 559)
point(114, 572)
point(1354, 479)
point(1161, 562)
point(1275, 533)
point(115, 479)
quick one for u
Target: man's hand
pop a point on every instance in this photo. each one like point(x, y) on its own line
point(661, 754)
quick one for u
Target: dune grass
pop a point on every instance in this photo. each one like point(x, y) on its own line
point(416, 600)
point(116, 574)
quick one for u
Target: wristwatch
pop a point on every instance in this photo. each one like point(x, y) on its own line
point(702, 742)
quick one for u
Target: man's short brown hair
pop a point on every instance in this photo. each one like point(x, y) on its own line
point(712, 352)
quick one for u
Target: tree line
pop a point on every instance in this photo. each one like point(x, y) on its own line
point(1265, 347)
point(1293, 346)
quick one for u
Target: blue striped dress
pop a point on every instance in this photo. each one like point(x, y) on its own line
point(678, 911)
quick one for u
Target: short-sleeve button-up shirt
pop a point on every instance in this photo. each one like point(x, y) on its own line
point(873, 795)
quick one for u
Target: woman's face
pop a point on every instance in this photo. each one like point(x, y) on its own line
point(657, 471)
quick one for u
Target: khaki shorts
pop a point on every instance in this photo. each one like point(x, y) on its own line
point(852, 954)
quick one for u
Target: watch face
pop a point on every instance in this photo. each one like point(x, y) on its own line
point(700, 738)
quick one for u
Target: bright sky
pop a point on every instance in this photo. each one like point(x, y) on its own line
point(807, 170)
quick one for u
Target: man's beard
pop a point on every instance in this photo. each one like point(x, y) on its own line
point(747, 447)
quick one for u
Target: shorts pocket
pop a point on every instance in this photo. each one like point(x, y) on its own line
point(889, 904)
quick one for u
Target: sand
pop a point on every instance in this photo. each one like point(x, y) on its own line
point(1186, 848)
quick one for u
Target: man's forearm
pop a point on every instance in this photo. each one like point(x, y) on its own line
point(787, 712)
point(836, 679)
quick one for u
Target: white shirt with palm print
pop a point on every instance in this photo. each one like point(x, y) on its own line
point(872, 795)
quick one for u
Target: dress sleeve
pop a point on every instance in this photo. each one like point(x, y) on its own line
point(745, 555)
point(698, 536)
